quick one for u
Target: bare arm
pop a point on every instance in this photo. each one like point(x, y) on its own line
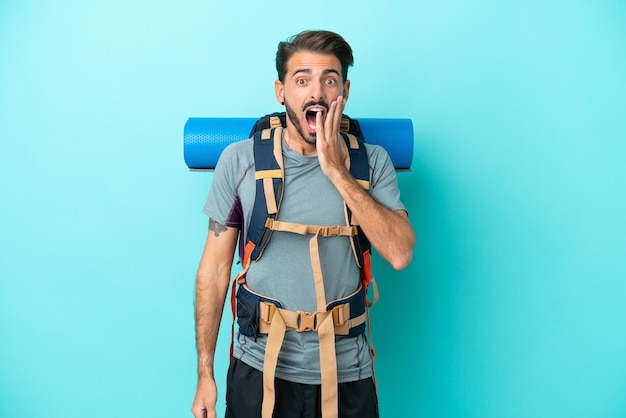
point(390, 232)
point(211, 287)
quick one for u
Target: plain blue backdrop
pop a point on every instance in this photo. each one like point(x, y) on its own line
point(514, 303)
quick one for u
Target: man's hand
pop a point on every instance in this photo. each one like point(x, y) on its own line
point(206, 398)
point(331, 148)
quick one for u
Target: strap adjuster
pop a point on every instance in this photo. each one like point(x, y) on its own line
point(339, 314)
point(330, 231)
point(266, 311)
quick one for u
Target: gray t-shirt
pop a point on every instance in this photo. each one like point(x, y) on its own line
point(284, 271)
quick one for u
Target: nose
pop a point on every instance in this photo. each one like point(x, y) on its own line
point(317, 91)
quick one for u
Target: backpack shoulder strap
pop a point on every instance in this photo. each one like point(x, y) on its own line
point(269, 177)
point(361, 246)
point(359, 169)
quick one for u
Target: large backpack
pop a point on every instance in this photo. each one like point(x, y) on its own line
point(257, 314)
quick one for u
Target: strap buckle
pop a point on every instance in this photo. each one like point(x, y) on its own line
point(330, 231)
point(307, 321)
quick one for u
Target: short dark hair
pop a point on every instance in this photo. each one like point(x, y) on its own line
point(319, 41)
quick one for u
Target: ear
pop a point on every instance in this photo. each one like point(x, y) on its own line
point(279, 89)
point(346, 90)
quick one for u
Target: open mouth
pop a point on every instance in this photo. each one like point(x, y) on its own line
point(311, 117)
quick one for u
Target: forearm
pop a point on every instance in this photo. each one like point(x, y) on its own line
point(211, 288)
point(389, 232)
point(210, 297)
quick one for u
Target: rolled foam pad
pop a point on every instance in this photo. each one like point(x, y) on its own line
point(206, 138)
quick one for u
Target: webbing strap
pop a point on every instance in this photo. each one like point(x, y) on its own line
point(268, 188)
point(264, 174)
point(278, 147)
point(268, 176)
point(328, 368)
point(272, 348)
point(304, 229)
point(354, 143)
point(308, 321)
point(275, 122)
point(320, 294)
point(322, 321)
point(328, 363)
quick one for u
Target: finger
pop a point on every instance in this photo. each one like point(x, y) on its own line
point(199, 411)
point(341, 104)
point(338, 114)
point(319, 126)
point(331, 117)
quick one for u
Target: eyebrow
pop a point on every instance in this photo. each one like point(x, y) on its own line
point(308, 71)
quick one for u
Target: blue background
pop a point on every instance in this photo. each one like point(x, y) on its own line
point(514, 303)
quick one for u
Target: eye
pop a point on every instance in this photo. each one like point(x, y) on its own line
point(301, 82)
point(330, 81)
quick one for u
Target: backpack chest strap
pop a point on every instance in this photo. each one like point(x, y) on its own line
point(304, 229)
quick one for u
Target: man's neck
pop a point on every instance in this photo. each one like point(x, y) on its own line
point(295, 141)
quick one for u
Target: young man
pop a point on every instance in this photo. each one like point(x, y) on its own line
point(313, 86)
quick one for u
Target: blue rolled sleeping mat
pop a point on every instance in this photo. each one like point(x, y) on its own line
point(206, 138)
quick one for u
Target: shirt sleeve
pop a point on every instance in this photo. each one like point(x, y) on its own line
point(383, 181)
point(223, 204)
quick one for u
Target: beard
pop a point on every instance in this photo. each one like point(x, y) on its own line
point(293, 117)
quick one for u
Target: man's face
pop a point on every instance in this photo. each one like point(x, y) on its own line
point(312, 82)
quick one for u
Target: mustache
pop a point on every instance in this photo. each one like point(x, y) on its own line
point(314, 103)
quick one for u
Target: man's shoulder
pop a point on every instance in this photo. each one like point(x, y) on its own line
point(376, 154)
point(237, 152)
point(238, 147)
point(235, 161)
